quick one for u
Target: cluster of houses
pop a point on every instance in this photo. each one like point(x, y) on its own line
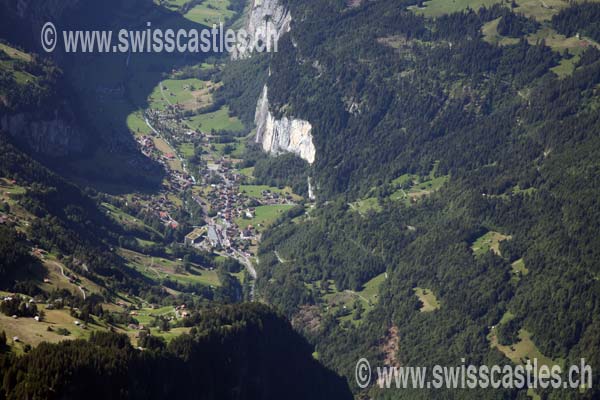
point(159, 205)
point(181, 311)
point(146, 145)
point(181, 181)
point(166, 219)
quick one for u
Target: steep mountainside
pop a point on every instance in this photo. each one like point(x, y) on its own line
point(454, 157)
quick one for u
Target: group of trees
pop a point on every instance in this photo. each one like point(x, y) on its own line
point(15, 260)
point(232, 352)
point(582, 18)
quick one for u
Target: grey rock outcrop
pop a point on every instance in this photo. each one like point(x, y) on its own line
point(51, 137)
point(267, 20)
point(282, 135)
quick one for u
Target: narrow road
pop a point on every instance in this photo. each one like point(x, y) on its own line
point(281, 260)
point(154, 269)
point(62, 271)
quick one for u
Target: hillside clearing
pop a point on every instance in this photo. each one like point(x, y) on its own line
point(427, 298)
point(490, 241)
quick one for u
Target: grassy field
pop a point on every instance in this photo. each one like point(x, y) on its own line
point(555, 40)
point(525, 349)
point(264, 216)
point(186, 150)
point(420, 190)
point(9, 189)
point(491, 35)
point(344, 302)
point(126, 219)
point(146, 315)
point(543, 12)
point(427, 298)
point(171, 334)
point(365, 205)
point(239, 148)
point(164, 147)
point(540, 10)
point(256, 191)
point(416, 191)
point(58, 281)
point(370, 289)
point(173, 5)
point(218, 120)
point(490, 241)
point(210, 12)
point(137, 125)
point(566, 66)
point(30, 331)
point(158, 269)
point(15, 55)
point(248, 172)
point(518, 270)
point(435, 8)
point(189, 93)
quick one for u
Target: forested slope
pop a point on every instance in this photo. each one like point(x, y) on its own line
point(232, 353)
point(431, 141)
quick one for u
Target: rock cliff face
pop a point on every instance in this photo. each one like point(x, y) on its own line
point(51, 137)
point(283, 135)
point(267, 20)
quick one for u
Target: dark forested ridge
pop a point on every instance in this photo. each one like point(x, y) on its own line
point(232, 353)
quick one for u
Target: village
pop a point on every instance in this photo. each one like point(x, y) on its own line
point(215, 184)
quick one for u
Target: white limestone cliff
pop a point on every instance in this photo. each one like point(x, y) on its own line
point(283, 135)
point(267, 20)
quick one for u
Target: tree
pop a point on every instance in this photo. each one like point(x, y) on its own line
point(3, 342)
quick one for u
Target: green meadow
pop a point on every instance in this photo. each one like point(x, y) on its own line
point(219, 120)
point(210, 12)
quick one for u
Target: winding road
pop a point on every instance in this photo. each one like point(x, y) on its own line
point(62, 271)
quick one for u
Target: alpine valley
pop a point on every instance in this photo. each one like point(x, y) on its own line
point(412, 182)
